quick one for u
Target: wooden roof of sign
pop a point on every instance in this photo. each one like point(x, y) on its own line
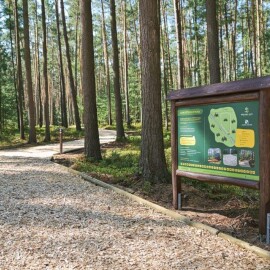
point(242, 86)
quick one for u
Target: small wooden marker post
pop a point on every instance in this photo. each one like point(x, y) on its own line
point(61, 140)
point(221, 134)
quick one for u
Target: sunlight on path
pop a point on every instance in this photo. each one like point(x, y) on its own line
point(47, 151)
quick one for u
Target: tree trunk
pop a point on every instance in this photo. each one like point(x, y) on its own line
point(107, 69)
point(262, 23)
point(213, 42)
point(120, 134)
point(180, 59)
point(223, 70)
point(37, 71)
point(29, 85)
point(76, 47)
point(19, 72)
point(257, 40)
point(71, 79)
point(244, 45)
point(1, 118)
point(45, 76)
point(128, 121)
point(1, 102)
point(152, 161)
point(138, 114)
point(197, 73)
point(165, 82)
point(190, 56)
point(229, 49)
point(13, 66)
point(234, 35)
point(63, 83)
point(167, 45)
point(92, 145)
point(251, 54)
point(51, 100)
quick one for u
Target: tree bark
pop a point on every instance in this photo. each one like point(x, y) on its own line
point(251, 56)
point(244, 45)
point(45, 75)
point(128, 121)
point(19, 72)
point(197, 64)
point(257, 39)
point(152, 161)
point(92, 145)
point(234, 34)
point(213, 42)
point(165, 82)
point(28, 71)
point(107, 69)
point(167, 45)
point(39, 111)
point(180, 59)
point(229, 58)
point(222, 65)
point(1, 118)
point(120, 134)
point(13, 65)
point(76, 47)
point(71, 79)
point(63, 83)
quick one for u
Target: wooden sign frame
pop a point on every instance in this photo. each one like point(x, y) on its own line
point(238, 91)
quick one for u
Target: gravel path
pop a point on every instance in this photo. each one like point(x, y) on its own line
point(52, 219)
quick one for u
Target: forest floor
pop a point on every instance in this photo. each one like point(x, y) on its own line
point(228, 213)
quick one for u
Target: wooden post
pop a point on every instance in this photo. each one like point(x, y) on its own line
point(264, 159)
point(174, 153)
point(176, 180)
point(61, 140)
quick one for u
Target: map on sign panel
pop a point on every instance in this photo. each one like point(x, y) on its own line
point(223, 123)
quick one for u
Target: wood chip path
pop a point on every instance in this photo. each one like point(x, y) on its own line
point(52, 219)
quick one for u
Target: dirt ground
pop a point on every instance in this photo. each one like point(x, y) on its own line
point(228, 214)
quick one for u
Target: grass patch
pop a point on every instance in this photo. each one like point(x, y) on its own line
point(10, 137)
point(223, 191)
point(119, 164)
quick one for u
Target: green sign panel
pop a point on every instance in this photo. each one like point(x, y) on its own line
point(220, 139)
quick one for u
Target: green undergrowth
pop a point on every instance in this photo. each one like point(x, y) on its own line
point(10, 137)
point(133, 127)
point(119, 163)
point(69, 133)
point(224, 192)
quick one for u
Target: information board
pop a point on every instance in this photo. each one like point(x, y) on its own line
point(220, 139)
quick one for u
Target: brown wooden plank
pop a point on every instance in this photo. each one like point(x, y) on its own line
point(174, 154)
point(264, 159)
point(219, 179)
point(242, 86)
point(219, 100)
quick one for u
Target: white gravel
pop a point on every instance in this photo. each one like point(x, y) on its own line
point(51, 219)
